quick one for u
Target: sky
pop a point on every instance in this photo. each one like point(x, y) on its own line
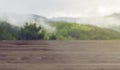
point(61, 8)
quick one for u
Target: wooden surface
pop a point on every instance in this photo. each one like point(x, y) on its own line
point(60, 55)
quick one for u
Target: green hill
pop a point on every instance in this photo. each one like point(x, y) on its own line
point(66, 31)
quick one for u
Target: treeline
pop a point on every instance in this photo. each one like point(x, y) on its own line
point(27, 32)
point(74, 31)
point(64, 31)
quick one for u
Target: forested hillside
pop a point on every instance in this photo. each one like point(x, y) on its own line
point(64, 31)
point(83, 32)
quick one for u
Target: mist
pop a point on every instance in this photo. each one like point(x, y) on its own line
point(105, 21)
point(109, 21)
point(19, 20)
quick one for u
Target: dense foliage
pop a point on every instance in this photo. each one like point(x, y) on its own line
point(31, 32)
point(64, 31)
point(7, 31)
point(67, 31)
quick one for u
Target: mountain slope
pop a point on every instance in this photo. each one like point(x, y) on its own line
point(66, 30)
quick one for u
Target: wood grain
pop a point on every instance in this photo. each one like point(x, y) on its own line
point(60, 55)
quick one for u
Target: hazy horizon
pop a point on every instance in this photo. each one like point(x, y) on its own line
point(61, 8)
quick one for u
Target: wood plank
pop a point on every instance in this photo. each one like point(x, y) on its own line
point(60, 55)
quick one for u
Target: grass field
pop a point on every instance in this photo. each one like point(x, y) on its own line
point(60, 55)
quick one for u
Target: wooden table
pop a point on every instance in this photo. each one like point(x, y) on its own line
point(60, 55)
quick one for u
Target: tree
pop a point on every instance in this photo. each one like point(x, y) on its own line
point(31, 32)
point(7, 31)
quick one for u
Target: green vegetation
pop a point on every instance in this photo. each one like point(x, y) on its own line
point(64, 31)
point(30, 32)
point(7, 31)
point(83, 32)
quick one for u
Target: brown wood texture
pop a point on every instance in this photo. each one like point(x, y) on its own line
point(60, 55)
